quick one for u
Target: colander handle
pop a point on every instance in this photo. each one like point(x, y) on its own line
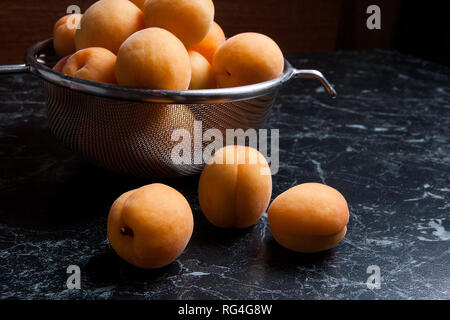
point(14, 68)
point(316, 75)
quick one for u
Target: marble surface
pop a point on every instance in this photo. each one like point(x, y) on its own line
point(384, 143)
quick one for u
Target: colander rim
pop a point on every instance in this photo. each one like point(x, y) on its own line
point(34, 54)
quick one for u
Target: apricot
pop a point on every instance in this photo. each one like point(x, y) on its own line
point(247, 58)
point(95, 64)
point(151, 226)
point(64, 34)
point(107, 24)
point(202, 76)
point(153, 58)
point(235, 187)
point(60, 64)
point(309, 217)
point(189, 20)
point(208, 46)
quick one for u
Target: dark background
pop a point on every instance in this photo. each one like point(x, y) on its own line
point(416, 27)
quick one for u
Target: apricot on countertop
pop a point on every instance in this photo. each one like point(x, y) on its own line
point(150, 227)
point(309, 217)
point(235, 187)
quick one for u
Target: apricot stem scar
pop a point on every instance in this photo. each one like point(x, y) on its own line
point(126, 232)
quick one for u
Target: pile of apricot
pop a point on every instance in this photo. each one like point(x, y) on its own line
point(161, 44)
point(149, 227)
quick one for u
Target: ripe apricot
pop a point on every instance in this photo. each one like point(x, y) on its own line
point(309, 217)
point(235, 187)
point(189, 20)
point(107, 24)
point(247, 58)
point(150, 227)
point(60, 64)
point(202, 76)
point(153, 58)
point(64, 34)
point(95, 64)
point(208, 46)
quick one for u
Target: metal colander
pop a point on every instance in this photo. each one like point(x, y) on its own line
point(130, 130)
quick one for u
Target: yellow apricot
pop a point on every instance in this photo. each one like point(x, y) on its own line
point(151, 226)
point(189, 20)
point(95, 64)
point(208, 46)
point(247, 58)
point(309, 217)
point(235, 187)
point(153, 58)
point(202, 76)
point(64, 34)
point(107, 24)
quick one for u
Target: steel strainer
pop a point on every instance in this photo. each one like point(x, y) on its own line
point(130, 130)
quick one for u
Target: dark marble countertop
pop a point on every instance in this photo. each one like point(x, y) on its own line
point(384, 143)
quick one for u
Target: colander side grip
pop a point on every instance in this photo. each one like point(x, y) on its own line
point(316, 75)
point(14, 68)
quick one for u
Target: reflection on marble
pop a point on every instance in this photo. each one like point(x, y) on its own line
point(384, 143)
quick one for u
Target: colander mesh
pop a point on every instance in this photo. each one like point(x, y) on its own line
point(134, 138)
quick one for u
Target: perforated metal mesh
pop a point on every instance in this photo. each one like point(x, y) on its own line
point(134, 138)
